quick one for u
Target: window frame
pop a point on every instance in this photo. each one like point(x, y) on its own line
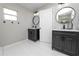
point(10, 15)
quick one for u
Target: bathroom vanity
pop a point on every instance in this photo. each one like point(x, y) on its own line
point(33, 34)
point(66, 41)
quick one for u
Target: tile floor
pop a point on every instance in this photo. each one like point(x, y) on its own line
point(30, 48)
point(1, 51)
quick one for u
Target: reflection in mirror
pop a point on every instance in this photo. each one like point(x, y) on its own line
point(65, 15)
point(36, 20)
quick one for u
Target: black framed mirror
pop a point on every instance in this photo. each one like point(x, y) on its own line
point(65, 15)
point(36, 20)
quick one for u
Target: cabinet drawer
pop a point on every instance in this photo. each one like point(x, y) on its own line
point(65, 33)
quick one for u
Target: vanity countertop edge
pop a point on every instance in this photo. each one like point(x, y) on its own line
point(68, 30)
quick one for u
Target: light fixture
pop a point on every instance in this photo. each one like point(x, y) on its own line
point(35, 13)
point(61, 3)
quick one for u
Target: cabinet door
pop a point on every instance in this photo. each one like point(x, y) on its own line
point(70, 45)
point(31, 34)
point(58, 43)
point(38, 34)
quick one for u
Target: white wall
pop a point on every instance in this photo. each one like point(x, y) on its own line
point(10, 33)
point(76, 20)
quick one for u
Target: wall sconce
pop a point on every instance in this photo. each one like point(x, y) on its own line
point(12, 22)
point(18, 22)
point(61, 3)
point(4, 21)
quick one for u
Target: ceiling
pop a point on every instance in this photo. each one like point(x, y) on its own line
point(34, 6)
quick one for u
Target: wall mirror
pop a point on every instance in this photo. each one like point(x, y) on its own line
point(36, 20)
point(65, 15)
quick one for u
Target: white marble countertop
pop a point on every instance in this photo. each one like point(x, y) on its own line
point(71, 30)
point(33, 28)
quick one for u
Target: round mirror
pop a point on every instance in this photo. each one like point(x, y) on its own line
point(35, 20)
point(65, 15)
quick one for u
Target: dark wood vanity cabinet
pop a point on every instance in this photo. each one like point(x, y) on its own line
point(33, 34)
point(66, 42)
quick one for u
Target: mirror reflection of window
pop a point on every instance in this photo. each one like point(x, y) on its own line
point(65, 15)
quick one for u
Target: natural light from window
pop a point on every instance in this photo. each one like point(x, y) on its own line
point(10, 14)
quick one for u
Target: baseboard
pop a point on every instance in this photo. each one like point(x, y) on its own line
point(14, 43)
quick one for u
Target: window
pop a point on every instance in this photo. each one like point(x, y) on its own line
point(10, 14)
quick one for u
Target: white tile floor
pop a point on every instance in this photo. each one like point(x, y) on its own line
point(1, 51)
point(29, 48)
